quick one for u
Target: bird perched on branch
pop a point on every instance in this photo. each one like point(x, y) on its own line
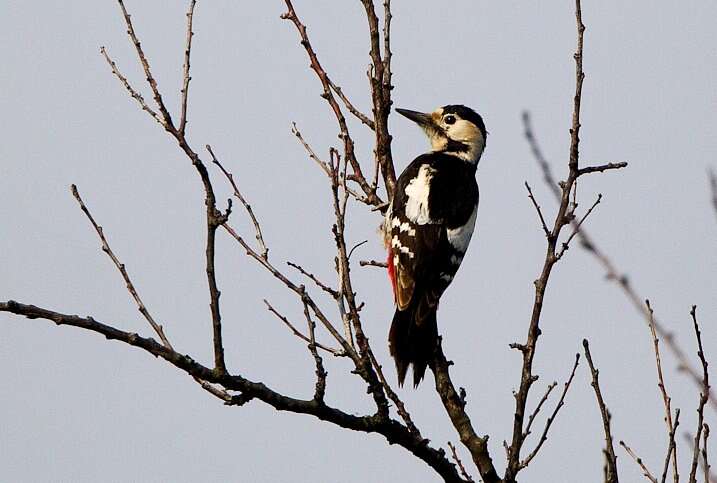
point(428, 227)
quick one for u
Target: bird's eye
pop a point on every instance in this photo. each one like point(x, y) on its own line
point(449, 119)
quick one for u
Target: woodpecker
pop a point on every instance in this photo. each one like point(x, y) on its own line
point(427, 229)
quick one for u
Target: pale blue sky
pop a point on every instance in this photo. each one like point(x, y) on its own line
point(77, 408)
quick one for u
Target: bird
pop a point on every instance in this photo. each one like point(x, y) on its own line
point(427, 228)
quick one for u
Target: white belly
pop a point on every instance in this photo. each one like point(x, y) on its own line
point(460, 237)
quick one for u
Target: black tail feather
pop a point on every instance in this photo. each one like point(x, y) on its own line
point(412, 340)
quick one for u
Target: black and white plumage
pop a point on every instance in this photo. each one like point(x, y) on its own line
point(428, 227)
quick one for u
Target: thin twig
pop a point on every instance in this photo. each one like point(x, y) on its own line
point(322, 164)
point(123, 271)
point(601, 168)
point(298, 333)
point(639, 462)
point(703, 397)
point(458, 461)
point(333, 293)
point(537, 208)
point(168, 124)
point(372, 263)
point(294, 288)
point(371, 196)
point(158, 329)
point(400, 405)
point(577, 226)
point(539, 406)
point(353, 248)
point(132, 92)
point(709, 478)
point(549, 421)
point(358, 114)
point(321, 374)
point(666, 399)
point(186, 77)
point(257, 227)
point(611, 459)
point(380, 80)
point(671, 451)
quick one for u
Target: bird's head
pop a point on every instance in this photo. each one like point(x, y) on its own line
point(453, 129)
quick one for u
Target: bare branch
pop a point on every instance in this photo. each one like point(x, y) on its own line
point(639, 461)
point(455, 403)
point(346, 292)
point(333, 293)
point(380, 80)
point(391, 430)
point(320, 386)
point(576, 227)
point(579, 77)
point(709, 478)
point(358, 114)
point(537, 208)
point(612, 272)
point(459, 462)
point(372, 263)
point(549, 421)
point(611, 459)
point(213, 216)
point(601, 168)
point(371, 196)
point(527, 349)
point(661, 384)
point(400, 406)
point(539, 406)
point(298, 290)
point(186, 77)
point(298, 333)
point(132, 92)
point(257, 228)
point(295, 131)
point(123, 271)
point(671, 451)
point(703, 397)
point(168, 124)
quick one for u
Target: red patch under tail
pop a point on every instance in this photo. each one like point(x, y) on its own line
point(391, 272)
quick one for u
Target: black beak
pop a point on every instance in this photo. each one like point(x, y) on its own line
point(420, 118)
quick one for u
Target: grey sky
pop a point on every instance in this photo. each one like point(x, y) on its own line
point(77, 408)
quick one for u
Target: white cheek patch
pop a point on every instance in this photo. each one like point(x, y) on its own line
point(468, 134)
point(417, 192)
point(460, 237)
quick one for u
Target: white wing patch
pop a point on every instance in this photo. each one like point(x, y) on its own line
point(396, 243)
point(417, 192)
point(460, 237)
